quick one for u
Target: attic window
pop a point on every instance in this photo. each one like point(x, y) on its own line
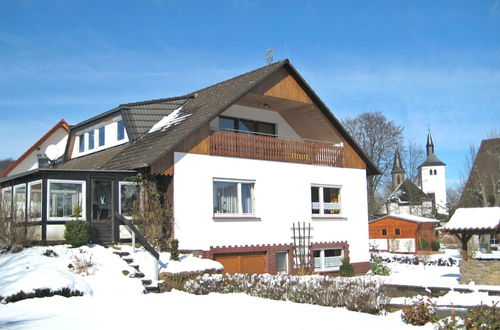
point(120, 134)
point(81, 139)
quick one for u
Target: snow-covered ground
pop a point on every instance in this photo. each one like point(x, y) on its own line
point(112, 300)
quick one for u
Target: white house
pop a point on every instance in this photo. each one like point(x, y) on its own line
point(243, 161)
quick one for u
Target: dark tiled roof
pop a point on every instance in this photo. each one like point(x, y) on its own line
point(432, 160)
point(407, 191)
point(95, 161)
point(140, 117)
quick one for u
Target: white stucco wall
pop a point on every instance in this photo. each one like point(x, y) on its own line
point(58, 138)
point(239, 111)
point(282, 197)
point(435, 184)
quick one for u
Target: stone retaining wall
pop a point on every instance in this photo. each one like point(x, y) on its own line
point(480, 271)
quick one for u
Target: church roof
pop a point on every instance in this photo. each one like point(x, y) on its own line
point(408, 192)
point(397, 167)
point(432, 159)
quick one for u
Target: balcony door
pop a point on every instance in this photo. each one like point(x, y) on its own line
point(102, 211)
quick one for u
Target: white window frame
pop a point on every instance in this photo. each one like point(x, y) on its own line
point(11, 198)
point(286, 259)
point(239, 200)
point(14, 199)
point(321, 202)
point(28, 199)
point(323, 259)
point(84, 200)
point(120, 184)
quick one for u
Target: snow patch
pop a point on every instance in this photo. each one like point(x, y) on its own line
point(172, 119)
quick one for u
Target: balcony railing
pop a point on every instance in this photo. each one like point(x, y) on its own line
point(266, 147)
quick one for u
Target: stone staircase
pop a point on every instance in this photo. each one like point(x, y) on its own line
point(147, 283)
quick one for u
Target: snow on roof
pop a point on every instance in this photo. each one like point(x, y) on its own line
point(474, 218)
point(408, 217)
point(172, 119)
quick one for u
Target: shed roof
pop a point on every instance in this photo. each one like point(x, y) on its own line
point(474, 218)
point(407, 217)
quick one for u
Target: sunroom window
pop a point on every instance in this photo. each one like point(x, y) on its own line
point(66, 199)
point(35, 200)
point(325, 200)
point(327, 259)
point(20, 202)
point(6, 202)
point(129, 194)
point(233, 197)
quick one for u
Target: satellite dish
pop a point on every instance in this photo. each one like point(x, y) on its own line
point(51, 152)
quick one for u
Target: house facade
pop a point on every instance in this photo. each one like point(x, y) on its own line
point(242, 161)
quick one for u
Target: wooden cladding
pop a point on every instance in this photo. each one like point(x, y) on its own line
point(288, 88)
point(233, 144)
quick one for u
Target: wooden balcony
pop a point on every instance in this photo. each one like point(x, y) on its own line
point(234, 144)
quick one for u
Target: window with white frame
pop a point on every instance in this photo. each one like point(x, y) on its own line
point(81, 143)
point(282, 262)
point(120, 130)
point(328, 259)
point(325, 200)
point(102, 136)
point(35, 200)
point(6, 201)
point(91, 139)
point(129, 195)
point(65, 199)
point(235, 197)
point(20, 202)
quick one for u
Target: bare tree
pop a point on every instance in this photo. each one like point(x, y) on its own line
point(413, 156)
point(378, 137)
point(4, 163)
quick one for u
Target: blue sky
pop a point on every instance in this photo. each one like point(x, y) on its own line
point(421, 63)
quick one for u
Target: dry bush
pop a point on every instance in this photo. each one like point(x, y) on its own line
point(81, 265)
point(14, 230)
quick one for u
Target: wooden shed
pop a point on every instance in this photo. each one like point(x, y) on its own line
point(403, 233)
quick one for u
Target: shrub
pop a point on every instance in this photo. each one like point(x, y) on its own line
point(76, 232)
point(483, 317)
point(81, 265)
point(359, 294)
point(435, 246)
point(420, 312)
point(346, 268)
point(424, 245)
point(378, 268)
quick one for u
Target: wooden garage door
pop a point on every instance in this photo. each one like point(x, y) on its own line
point(251, 263)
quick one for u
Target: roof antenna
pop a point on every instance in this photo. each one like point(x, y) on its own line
point(269, 55)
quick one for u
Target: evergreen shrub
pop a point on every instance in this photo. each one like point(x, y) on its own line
point(346, 269)
point(435, 245)
point(77, 232)
point(424, 245)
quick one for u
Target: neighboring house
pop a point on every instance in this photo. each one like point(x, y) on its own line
point(402, 232)
point(426, 200)
point(54, 141)
point(242, 162)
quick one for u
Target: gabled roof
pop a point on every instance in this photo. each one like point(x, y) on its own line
point(484, 177)
point(197, 109)
point(474, 219)
point(61, 124)
point(407, 217)
point(407, 191)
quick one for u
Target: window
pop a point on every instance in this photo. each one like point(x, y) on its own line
point(7, 201)
point(81, 139)
point(282, 262)
point(91, 140)
point(129, 194)
point(102, 136)
point(35, 200)
point(430, 172)
point(493, 240)
point(384, 232)
point(228, 123)
point(435, 172)
point(65, 198)
point(397, 231)
point(120, 133)
point(233, 197)
point(325, 200)
point(328, 259)
point(20, 202)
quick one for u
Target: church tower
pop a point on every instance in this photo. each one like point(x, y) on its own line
point(398, 172)
point(432, 177)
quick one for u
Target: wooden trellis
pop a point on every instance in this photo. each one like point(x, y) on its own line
point(301, 236)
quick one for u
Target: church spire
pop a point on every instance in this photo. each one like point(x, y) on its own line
point(398, 172)
point(430, 144)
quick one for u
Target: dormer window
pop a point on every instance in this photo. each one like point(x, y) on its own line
point(102, 136)
point(91, 140)
point(81, 139)
point(120, 133)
